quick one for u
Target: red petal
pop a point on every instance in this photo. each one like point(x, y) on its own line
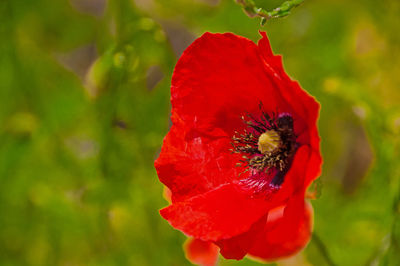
point(192, 164)
point(285, 234)
point(314, 167)
point(199, 252)
point(219, 78)
point(304, 105)
point(218, 214)
point(209, 216)
point(237, 247)
point(294, 179)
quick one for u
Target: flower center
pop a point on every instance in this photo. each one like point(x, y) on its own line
point(269, 142)
point(267, 146)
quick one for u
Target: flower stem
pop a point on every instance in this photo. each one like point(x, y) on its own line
point(252, 10)
point(322, 249)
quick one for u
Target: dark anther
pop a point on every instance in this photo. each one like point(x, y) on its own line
point(285, 121)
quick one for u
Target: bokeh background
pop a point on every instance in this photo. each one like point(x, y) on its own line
point(84, 105)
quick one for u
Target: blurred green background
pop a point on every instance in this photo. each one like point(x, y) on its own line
point(84, 105)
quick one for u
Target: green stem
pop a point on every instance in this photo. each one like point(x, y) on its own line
point(322, 249)
point(252, 10)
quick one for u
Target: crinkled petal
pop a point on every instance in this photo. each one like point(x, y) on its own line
point(222, 213)
point(204, 253)
point(285, 233)
point(190, 164)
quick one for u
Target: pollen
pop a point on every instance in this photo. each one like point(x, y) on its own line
point(269, 142)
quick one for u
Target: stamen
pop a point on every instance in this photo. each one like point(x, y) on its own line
point(267, 147)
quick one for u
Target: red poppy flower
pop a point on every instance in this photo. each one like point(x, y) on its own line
point(242, 150)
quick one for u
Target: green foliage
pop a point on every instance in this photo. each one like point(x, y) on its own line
point(84, 105)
